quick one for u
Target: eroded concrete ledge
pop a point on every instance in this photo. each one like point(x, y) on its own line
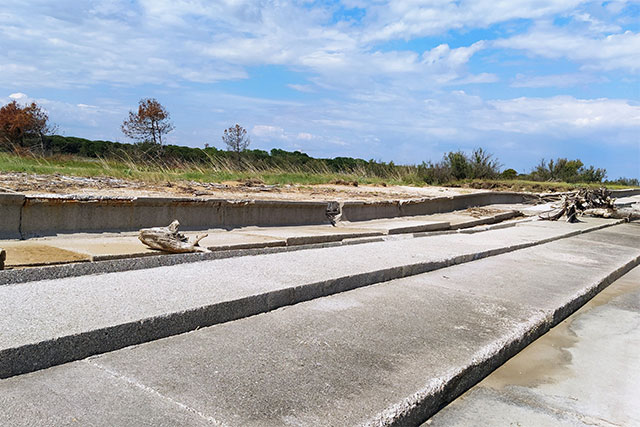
point(362, 211)
point(30, 216)
point(10, 215)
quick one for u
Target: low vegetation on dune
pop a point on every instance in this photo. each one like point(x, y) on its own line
point(77, 157)
point(27, 146)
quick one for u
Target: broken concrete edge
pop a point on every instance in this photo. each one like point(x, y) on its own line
point(363, 211)
point(31, 216)
point(59, 350)
point(487, 220)
point(439, 392)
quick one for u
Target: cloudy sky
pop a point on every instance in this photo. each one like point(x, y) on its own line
point(401, 80)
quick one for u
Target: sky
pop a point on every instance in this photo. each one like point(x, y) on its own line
point(400, 80)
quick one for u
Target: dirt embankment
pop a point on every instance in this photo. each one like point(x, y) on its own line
point(58, 184)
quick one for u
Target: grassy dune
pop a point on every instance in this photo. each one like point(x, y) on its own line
point(216, 171)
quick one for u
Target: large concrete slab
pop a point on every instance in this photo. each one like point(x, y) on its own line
point(309, 234)
point(387, 354)
point(99, 247)
point(584, 372)
point(54, 321)
point(398, 225)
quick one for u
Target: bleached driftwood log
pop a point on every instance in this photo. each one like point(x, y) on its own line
point(169, 240)
point(629, 214)
point(598, 203)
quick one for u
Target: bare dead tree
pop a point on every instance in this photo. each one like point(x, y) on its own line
point(236, 139)
point(149, 123)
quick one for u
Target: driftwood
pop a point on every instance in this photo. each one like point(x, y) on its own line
point(598, 203)
point(169, 240)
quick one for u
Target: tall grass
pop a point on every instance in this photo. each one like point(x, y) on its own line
point(153, 170)
point(217, 169)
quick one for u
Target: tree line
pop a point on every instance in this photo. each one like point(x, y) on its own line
point(27, 129)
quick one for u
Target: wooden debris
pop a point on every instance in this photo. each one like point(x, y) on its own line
point(169, 240)
point(598, 203)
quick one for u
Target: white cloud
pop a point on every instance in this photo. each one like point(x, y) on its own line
point(556, 80)
point(615, 51)
point(17, 96)
point(405, 19)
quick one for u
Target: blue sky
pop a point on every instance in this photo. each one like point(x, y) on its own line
point(401, 80)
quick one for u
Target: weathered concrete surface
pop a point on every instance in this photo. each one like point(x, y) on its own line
point(398, 225)
point(30, 216)
point(387, 354)
point(100, 248)
point(110, 246)
point(584, 372)
point(54, 321)
point(10, 213)
point(49, 215)
point(362, 211)
point(34, 253)
point(310, 234)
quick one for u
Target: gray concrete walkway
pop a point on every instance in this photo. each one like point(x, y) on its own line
point(387, 354)
point(584, 372)
point(49, 322)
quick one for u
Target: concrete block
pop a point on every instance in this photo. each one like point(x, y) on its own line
point(50, 215)
point(80, 316)
point(10, 212)
point(100, 248)
point(398, 225)
point(553, 381)
point(310, 234)
point(625, 193)
point(362, 211)
point(59, 400)
point(387, 354)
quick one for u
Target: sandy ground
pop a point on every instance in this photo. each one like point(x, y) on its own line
point(57, 184)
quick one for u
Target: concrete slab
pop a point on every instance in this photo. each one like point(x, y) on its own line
point(585, 371)
point(307, 235)
point(397, 225)
point(387, 354)
point(77, 396)
point(48, 322)
point(99, 247)
point(30, 254)
point(623, 235)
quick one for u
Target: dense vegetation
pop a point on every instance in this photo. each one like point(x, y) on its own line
point(25, 131)
point(154, 161)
